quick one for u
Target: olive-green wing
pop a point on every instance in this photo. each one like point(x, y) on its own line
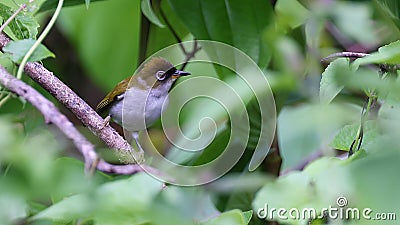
point(110, 97)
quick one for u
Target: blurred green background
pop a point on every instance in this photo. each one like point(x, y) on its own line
point(319, 109)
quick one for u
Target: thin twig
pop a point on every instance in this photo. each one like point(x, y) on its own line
point(188, 55)
point(23, 6)
point(191, 54)
point(341, 38)
point(344, 54)
point(178, 39)
point(52, 115)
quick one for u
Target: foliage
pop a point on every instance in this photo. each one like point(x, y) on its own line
point(52, 4)
point(349, 106)
point(23, 26)
point(16, 50)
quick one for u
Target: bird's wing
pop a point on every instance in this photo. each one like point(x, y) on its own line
point(113, 95)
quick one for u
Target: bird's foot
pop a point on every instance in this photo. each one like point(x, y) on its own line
point(106, 121)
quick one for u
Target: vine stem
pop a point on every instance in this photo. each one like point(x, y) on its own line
point(369, 104)
point(355, 146)
point(40, 38)
point(5, 99)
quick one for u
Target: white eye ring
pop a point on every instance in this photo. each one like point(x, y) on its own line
point(160, 75)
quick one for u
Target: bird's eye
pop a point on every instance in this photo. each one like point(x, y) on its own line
point(161, 75)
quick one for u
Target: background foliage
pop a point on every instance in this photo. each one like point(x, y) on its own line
point(319, 110)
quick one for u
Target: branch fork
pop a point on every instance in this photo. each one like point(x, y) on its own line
point(79, 107)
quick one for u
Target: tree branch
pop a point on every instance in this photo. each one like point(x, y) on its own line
point(52, 115)
point(344, 54)
point(86, 115)
point(74, 103)
point(79, 107)
point(49, 111)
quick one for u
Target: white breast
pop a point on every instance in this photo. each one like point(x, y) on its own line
point(139, 108)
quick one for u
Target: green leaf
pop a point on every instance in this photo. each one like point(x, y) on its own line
point(328, 88)
point(149, 13)
point(247, 216)
point(16, 50)
point(70, 208)
point(291, 12)
point(13, 207)
point(23, 26)
point(387, 54)
point(359, 154)
point(233, 217)
point(373, 174)
point(231, 22)
point(345, 137)
point(52, 4)
point(389, 120)
point(126, 199)
point(72, 172)
point(348, 133)
point(364, 79)
point(392, 7)
point(389, 9)
point(318, 186)
point(110, 203)
point(303, 129)
point(8, 137)
point(182, 205)
point(280, 194)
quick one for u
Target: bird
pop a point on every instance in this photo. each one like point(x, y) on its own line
point(137, 102)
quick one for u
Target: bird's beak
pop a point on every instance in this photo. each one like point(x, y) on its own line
point(179, 73)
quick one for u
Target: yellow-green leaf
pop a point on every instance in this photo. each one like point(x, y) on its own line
point(16, 50)
point(149, 13)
